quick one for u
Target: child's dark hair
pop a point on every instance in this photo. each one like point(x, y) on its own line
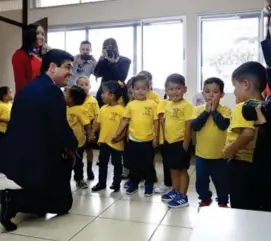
point(147, 74)
point(214, 80)
point(78, 95)
point(3, 91)
point(118, 89)
point(129, 83)
point(175, 79)
point(253, 71)
point(138, 78)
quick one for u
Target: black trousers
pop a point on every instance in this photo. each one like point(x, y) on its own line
point(116, 158)
point(166, 170)
point(79, 165)
point(241, 184)
point(56, 198)
point(141, 161)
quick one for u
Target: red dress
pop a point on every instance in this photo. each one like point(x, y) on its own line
point(25, 68)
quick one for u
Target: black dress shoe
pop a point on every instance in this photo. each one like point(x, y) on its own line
point(91, 176)
point(98, 187)
point(116, 188)
point(6, 213)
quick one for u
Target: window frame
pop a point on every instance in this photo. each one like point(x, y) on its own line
point(222, 16)
point(135, 23)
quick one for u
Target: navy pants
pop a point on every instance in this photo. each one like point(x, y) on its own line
point(218, 171)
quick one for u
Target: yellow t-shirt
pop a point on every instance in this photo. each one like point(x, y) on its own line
point(210, 139)
point(91, 104)
point(110, 118)
point(78, 117)
point(141, 115)
point(151, 95)
point(176, 114)
point(161, 110)
point(238, 121)
point(5, 109)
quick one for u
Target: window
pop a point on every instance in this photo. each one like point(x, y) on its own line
point(124, 37)
point(226, 43)
point(163, 50)
point(74, 39)
point(53, 3)
point(56, 39)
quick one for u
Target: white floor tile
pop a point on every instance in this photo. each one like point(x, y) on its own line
point(115, 230)
point(90, 205)
point(12, 237)
point(167, 233)
point(57, 228)
point(145, 212)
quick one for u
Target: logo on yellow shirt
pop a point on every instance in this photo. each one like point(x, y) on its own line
point(147, 111)
point(175, 113)
point(113, 116)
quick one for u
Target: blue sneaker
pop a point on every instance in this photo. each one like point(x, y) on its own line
point(179, 201)
point(131, 189)
point(148, 190)
point(169, 196)
point(127, 184)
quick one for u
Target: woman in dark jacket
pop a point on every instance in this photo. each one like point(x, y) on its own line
point(111, 66)
point(26, 61)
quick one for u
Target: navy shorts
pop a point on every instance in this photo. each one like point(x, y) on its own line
point(176, 157)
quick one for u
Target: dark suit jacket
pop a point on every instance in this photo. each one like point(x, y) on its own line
point(38, 132)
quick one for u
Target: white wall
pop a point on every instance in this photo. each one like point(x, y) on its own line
point(117, 10)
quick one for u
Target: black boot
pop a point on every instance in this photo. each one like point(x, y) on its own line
point(90, 173)
point(6, 213)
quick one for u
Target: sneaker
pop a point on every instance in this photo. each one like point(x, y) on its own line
point(131, 189)
point(169, 196)
point(179, 201)
point(162, 189)
point(98, 187)
point(127, 184)
point(206, 203)
point(148, 190)
point(82, 184)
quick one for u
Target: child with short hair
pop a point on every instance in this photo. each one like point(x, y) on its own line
point(210, 122)
point(79, 120)
point(141, 116)
point(108, 122)
point(91, 104)
point(151, 94)
point(249, 81)
point(5, 108)
point(177, 126)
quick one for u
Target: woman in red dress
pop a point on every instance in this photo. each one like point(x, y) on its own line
point(26, 61)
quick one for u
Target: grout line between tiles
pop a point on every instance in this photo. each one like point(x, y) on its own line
point(125, 220)
point(91, 221)
point(22, 235)
point(158, 225)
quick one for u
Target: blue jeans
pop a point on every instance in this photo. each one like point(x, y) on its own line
point(217, 170)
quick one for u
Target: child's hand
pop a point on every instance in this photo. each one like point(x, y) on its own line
point(260, 117)
point(91, 137)
point(214, 105)
point(115, 139)
point(208, 106)
point(155, 142)
point(185, 147)
point(229, 152)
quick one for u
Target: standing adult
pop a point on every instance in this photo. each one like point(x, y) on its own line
point(26, 61)
point(84, 63)
point(111, 66)
point(38, 149)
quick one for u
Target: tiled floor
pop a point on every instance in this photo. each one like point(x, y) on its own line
point(108, 216)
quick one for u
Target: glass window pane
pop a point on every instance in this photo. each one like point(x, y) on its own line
point(163, 51)
point(124, 38)
point(56, 40)
point(51, 3)
point(235, 41)
point(73, 40)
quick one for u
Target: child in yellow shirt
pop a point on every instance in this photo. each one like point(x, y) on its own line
point(141, 116)
point(5, 108)
point(108, 122)
point(249, 81)
point(79, 120)
point(150, 94)
point(210, 122)
point(177, 129)
point(91, 104)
